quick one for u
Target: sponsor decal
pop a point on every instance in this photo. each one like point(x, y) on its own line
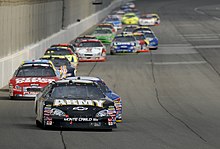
point(33, 80)
point(80, 108)
point(49, 123)
point(62, 102)
point(76, 119)
point(123, 43)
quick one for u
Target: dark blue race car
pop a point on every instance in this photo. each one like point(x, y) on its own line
point(124, 43)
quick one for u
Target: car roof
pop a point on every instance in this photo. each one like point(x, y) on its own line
point(69, 81)
point(90, 40)
point(84, 78)
point(38, 61)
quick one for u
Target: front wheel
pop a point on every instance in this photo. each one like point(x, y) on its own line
point(112, 52)
point(38, 124)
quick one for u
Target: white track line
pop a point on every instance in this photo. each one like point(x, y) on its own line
point(180, 63)
point(216, 18)
point(198, 11)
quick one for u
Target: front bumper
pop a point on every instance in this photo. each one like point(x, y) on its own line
point(81, 123)
point(147, 23)
point(143, 50)
point(130, 22)
point(123, 50)
point(92, 59)
point(23, 95)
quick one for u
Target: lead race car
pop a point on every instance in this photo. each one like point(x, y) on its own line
point(74, 104)
point(31, 77)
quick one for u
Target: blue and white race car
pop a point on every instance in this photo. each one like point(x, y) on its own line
point(107, 91)
point(115, 21)
point(124, 43)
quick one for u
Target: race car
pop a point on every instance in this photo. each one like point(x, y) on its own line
point(105, 35)
point(124, 7)
point(135, 11)
point(124, 43)
point(106, 25)
point(129, 29)
point(142, 41)
point(74, 104)
point(91, 51)
point(80, 38)
point(107, 91)
point(149, 19)
point(115, 21)
point(150, 36)
point(62, 64)
point(64, 51)
point(31, 77)
point(130, 5)
point(119, 14)
point(130, 18)
point(67, 45)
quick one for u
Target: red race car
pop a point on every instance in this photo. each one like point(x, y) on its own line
point(31, 77)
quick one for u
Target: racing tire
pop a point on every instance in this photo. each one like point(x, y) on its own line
point(153, 48)
point(112, 52)
point(38, 124)
point(12, 98)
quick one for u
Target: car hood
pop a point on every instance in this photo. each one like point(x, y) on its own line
point(93, 50)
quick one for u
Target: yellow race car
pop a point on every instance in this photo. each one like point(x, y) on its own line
point(63, 51)
point(62, 64)
point(130, 18)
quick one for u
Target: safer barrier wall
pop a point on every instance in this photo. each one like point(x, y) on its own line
point(10, 63)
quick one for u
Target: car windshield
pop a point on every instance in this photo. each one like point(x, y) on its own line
point(128, 29)
point(35, 71)
point(60, 62)
point(142, 30)
point(102, 31)
point(124, 39)
point(139, 37)
point(130, 16)
point(76, 91)
point(58, 51)
point(149, 35)
point(90, 44)
point(112, 19)
point(146, 17)
point(103, 87)
point(104, 27)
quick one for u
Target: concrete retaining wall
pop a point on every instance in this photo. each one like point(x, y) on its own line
point(10, 63)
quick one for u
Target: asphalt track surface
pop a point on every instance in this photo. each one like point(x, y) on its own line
point(171, 97)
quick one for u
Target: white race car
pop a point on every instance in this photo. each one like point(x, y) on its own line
point(149, 19)
point(91, 50)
